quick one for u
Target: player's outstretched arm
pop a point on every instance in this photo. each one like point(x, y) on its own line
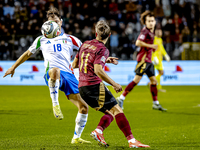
point(75, 63)
point(26, 55)
point(143, 44)
point(98, 70)
point(112, 60)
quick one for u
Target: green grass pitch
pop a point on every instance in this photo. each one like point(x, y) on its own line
point(27, 121)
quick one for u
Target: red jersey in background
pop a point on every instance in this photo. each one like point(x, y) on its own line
point(145, 53)
point(90, 53)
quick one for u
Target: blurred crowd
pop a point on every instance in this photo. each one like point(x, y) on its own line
point(20, 23)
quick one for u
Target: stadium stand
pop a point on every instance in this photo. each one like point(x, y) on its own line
point(20, 23)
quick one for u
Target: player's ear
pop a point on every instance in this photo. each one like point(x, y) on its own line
point(96, 34)
point(61, 21)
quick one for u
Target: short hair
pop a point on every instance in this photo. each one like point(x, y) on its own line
point(102, 29)
point(52, 12)
point(144, 15)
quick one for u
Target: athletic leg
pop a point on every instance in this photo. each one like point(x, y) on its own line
point(124, 126)
point(54, 84)
point(104, 122)
point(81, 118)
point(97, 134)
point(153, 89)
point(154, 92)
point(161, 72)
point(122, 123)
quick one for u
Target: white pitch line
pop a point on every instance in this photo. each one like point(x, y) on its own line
point(197, 105)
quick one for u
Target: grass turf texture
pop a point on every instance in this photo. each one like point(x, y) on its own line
point(27, 121)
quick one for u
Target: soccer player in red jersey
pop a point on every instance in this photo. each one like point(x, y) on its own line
point(145, 65)
point(91, 59)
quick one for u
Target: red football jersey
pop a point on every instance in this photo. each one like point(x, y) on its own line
point(90, 53)
point(145, 53)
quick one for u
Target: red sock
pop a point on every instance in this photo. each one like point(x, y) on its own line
point(124, 126)
point(129, 87)
point(105, 122)
point(154, 91)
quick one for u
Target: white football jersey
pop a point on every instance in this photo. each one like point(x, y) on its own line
point(57, 52)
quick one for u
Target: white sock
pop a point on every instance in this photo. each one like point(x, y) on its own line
point(81, 120)
point(53, 88)
point(132, 140)
point(99, 131)
point(122, 97)
point(155, 102)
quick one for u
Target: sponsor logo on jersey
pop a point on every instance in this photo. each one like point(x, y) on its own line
point(48, 42)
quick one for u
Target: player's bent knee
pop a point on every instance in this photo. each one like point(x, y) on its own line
point(54, 73)
point(154, 82)
point(137, 79)
point(116, 110)
point(83, 109)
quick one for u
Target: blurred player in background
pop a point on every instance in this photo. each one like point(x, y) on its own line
point(144, 56)
point(57, 53)
point(91, 60)
point(157, 57)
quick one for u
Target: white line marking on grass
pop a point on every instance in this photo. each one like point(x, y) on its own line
point(197, 105)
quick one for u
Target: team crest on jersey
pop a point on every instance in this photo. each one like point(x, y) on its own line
point(103, 59)
point(64, 41)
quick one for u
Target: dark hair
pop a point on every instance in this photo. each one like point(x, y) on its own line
point(53, 12)
point(102, 29)
point(144, 15)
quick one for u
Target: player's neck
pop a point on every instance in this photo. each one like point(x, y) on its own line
point(103, 41)
point(151, 29)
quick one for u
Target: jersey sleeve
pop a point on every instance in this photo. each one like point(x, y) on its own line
point(101, 57)
point(76, 42)
point(142, 36)
point(36, 45)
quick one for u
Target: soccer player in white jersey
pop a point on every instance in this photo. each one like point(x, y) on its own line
point(57, 53)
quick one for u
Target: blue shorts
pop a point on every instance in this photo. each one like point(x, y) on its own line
point(68, 82)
